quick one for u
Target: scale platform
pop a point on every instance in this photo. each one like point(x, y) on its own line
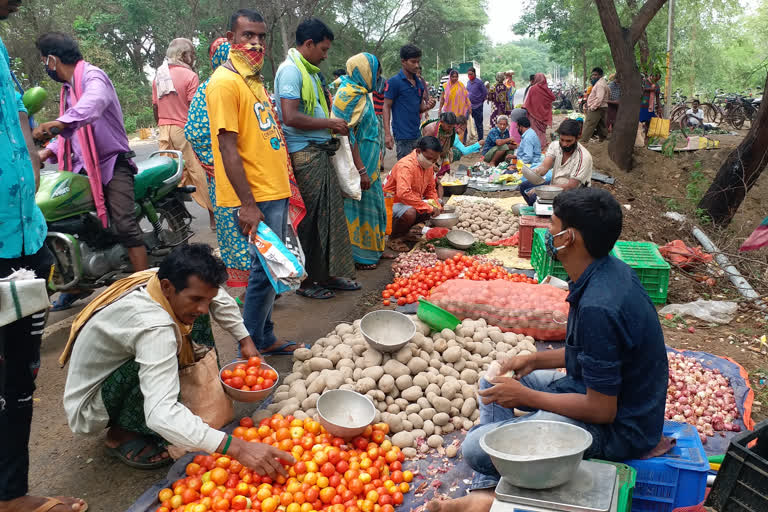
point(594, 488)
point(543, 207)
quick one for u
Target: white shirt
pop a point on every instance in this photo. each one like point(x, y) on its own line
point(578, 166)
point(136, 327)
point(695, 118)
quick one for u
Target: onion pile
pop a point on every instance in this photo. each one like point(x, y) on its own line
point(701, 397)
point(407, 263)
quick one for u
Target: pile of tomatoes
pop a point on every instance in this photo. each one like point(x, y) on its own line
point(330, 474)
point(407, 290)
point(249, 376)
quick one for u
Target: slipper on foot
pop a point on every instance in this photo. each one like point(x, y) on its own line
point(316, 292)
point(342, 284)
point(66, 300)
point(281, 350)
point(135, 446)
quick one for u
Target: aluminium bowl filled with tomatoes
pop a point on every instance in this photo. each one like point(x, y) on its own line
point(248, 381)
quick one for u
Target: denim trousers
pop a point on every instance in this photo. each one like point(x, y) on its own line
point(405, 147)
point(493, 416)
point(526, 185)
point(477, 116)
point(260, 295)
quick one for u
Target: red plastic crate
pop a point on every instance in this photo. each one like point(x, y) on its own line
point(527, 224)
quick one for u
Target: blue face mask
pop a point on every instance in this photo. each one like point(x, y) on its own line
point(550, 243)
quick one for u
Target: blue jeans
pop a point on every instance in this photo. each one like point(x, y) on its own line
point(494, 415)
point(405, 147)
point(260, 296)
point(526, 185)
point(477, 116)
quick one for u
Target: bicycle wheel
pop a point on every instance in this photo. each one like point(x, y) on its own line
point(738, 117)
point(677, 117)
point(712, 113)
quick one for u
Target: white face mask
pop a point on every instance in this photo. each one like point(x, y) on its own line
point(424, 161)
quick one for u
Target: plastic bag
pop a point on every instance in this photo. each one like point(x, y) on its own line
point(715, 311)
point(283, 268)
point(349, 178)
point(535, 310)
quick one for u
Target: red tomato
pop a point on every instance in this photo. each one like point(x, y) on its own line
point(386, 303)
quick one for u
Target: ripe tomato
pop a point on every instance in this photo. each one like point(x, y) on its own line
point(377, 436)
point(237, 382)
point(328, 469)
point(387, 303)
point(226, 374)
point(239, 503)
point(401, 301)
point(250, 380)
point(254, 361)
point(326, 495)
point(269, 504)
point(189, 495)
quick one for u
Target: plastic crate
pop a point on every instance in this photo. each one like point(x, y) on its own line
point(540, 260)
point(742, 481)
point(527, 224)
point(677, 478)
point(627, 476)
point(647, 262)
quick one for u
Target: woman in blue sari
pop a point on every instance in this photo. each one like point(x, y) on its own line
point(367, 218)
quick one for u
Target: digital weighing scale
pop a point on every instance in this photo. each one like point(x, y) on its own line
point(543, 206)
point(594, 488)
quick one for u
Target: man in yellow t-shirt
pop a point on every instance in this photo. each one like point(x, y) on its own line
point(250, 163)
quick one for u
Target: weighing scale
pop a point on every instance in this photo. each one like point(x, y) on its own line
point(594, 488)
point(543, 206)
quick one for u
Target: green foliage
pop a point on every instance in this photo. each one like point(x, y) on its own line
point(697, 185)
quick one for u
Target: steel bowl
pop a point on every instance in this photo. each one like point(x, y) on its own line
point(345, 413)
point(386, 330)
point(547, 192)
point(444, 253)
point(246, 396)
point(531, 176)
point(536, 454)
point(460, 239)
point(454, 190)
point(445, 220)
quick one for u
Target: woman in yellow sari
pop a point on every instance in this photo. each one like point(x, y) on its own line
point(455, 97)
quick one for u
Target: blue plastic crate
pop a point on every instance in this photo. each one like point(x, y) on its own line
point(676, 479)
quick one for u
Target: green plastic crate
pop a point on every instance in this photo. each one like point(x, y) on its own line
point(540, 260)
point(652, 269)
point(627, 476)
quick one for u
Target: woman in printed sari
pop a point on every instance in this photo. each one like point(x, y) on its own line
point(455, 98)
point(499, 98)
point(538, 103)
point(367, 218)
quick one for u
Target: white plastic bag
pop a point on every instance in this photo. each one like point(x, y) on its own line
point(283, 268)
point(718, 312)
point(21, 295)
point(471, 129)
point(349, 178)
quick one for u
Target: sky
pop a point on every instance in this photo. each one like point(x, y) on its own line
point(502, 14)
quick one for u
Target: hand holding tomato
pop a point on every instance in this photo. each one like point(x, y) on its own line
point(260, 457)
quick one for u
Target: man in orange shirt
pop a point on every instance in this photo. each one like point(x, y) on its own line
point(412, 182)
point(172, 91)
point(597, 108)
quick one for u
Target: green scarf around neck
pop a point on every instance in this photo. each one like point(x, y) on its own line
point(308, 94)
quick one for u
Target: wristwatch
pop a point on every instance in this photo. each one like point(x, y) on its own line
point(362, 171)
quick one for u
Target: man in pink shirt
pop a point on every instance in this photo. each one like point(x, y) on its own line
point(172, 91)
point(597, 108)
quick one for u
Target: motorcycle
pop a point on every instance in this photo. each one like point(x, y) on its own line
point(89, 256)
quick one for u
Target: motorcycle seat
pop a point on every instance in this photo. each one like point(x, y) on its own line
point(151, 173)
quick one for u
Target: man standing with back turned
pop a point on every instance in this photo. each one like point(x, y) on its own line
point(304, 112)
point(477, 96)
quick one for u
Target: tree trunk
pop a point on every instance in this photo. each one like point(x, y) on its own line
point(622, 43)
point(739, 172)
point(584, 65)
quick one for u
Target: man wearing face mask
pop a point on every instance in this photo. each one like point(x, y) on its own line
point(615, 385)
point(569, 161)
point(597, 108)
point(91, 125)
point(172, 91)
point(412, 182)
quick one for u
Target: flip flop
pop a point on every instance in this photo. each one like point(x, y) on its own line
point(66, 300)
point(316, 292)
point(53, 502)
point(280, 351)
point(137, 445)
point(342, 284)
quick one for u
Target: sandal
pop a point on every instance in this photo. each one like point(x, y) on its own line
point(281, 350)
point(53, 502)
point(316, 292)
point(136, 446)
point(66, 300)
point(342, 284)
point(363, 266)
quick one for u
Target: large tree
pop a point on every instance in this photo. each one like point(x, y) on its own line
point(622, 40)
point(739, 172)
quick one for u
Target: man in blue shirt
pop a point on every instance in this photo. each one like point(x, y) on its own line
point(529, 150)
point(22, 238)
point(404, 102)
point(616, 381)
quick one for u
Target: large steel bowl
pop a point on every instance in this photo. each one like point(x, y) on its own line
point(246, 396)
point(460, 239)
point(547, 192)
point(536, 454)
point(386, 330)
point(345, 413)
point(445, 220)
point(531, 176)
point(446, 253)
point(454, 190)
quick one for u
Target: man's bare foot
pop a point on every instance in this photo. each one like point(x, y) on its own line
point(475, 501)
point(30, 503)
point(117, 436)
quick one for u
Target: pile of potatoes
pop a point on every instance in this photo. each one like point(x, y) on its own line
point(426, 389)
point(488, 222)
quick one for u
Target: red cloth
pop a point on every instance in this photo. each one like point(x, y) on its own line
point(436, 233)
point(539, 100)
point(679, 254)
point(507, 242)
